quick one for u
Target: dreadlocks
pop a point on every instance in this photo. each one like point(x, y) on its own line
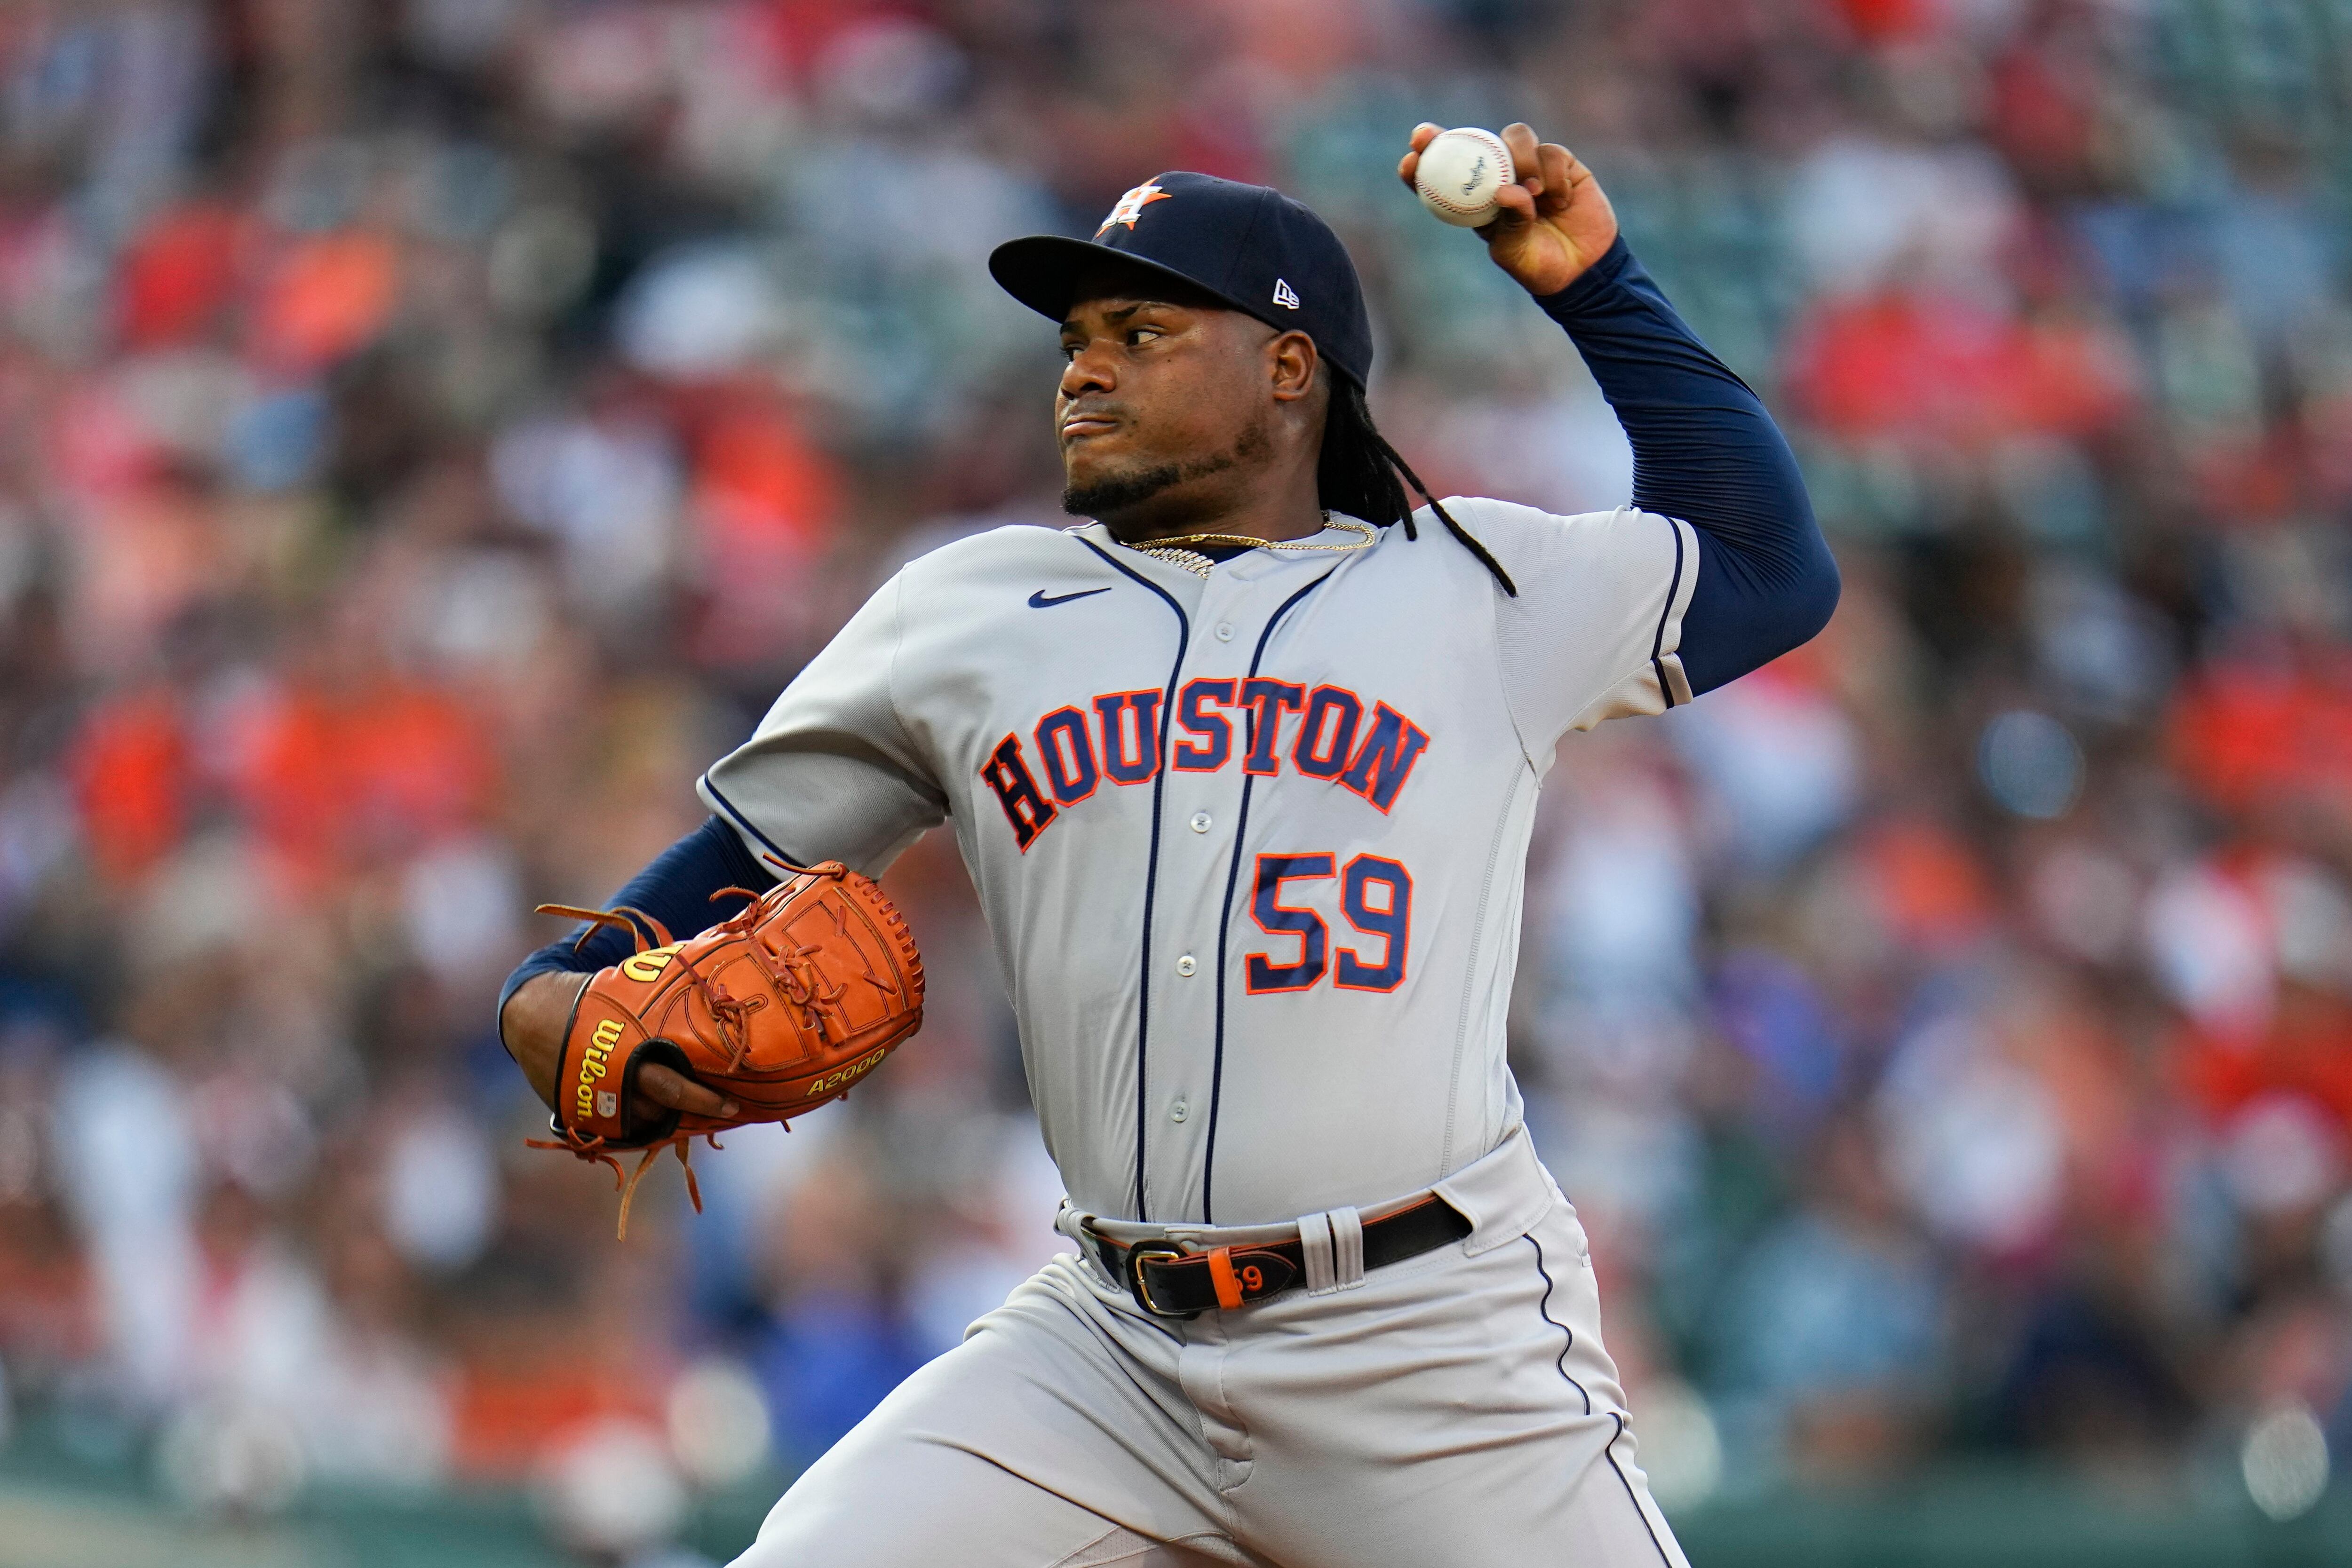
point(1360, 474)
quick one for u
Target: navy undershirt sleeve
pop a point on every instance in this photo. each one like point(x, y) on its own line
point(1705, 451)
point(675, 889)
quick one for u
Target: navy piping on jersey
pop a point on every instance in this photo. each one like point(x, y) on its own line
point(745, 822)
point(1658, 642)
point(1151, 872)
point(1608, 1449)
point(1226, 924)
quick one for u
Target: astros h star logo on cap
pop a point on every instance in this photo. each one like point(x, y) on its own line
point(1131, 206)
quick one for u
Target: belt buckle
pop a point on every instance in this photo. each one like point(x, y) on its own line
point(1136, 1258)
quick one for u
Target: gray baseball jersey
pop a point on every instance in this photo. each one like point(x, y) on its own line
point(1251, 845)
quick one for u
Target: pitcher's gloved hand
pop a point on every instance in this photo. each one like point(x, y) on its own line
point(775, 1012)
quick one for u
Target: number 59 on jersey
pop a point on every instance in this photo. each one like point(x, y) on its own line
point(1287, 897)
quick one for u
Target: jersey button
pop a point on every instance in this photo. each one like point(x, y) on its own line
point(1186, 967)
point(1177, 1112)
point(1200, 821)
point(1225, 631)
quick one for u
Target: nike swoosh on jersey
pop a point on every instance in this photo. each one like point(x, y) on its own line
point(1038, 600)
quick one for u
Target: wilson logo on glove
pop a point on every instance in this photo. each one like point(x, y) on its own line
point(780, 1009)
point(648, 966)
point(597, 1059)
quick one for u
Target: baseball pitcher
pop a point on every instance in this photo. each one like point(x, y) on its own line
point(1244, 767)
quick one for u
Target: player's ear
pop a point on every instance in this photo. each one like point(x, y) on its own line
point(1291, 359)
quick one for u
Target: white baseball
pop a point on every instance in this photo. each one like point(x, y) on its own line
point(1461, 172)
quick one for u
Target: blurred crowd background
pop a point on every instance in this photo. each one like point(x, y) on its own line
point(432, 430)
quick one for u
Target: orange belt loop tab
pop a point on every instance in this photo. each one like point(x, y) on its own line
point(1221, 1274)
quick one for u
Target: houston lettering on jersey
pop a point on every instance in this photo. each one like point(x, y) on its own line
point(1324, 732)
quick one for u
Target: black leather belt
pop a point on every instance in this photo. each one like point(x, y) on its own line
point(1169, 1282)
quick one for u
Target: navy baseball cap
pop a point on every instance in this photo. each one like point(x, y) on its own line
point(1250, 246)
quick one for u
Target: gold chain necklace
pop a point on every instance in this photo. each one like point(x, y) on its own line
point(1173, 551)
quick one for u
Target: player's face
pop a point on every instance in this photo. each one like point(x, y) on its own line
point(1164, 406)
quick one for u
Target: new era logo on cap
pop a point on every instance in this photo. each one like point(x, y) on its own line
point(1284, 296)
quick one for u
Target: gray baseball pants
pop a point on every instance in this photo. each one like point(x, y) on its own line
point(1454, 1409)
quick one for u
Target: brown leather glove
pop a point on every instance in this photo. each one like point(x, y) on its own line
point(780, 1009)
